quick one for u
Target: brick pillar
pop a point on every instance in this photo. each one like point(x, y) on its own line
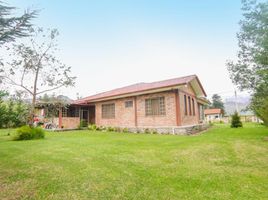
point(135, 107)
point(178, 109)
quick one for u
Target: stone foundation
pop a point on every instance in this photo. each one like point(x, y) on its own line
point(177, 130)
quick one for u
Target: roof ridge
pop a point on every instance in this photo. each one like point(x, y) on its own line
point(181, 77)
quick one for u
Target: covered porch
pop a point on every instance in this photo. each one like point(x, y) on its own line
point(75, 116)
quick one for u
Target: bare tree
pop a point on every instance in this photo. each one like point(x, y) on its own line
point(35, 68)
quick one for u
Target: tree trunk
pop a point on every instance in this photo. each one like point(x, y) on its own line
point(31, 118)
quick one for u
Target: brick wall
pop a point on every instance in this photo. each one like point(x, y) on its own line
point(125, 117)
point(68, 122)
point(188, 119)
point(166, 120)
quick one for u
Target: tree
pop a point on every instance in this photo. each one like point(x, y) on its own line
point(250, 72)
point(12, 27)
point(259, 101)
point(13, 111)
point(3, 109)
point(217, 102)
point(236, 122)
point(52, 105)
point(34, 68)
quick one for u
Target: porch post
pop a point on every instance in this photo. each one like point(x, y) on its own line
point(60, 117)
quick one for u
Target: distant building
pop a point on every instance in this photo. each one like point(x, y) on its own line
point(214, 114)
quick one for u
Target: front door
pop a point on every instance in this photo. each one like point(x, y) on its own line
point(84, 118)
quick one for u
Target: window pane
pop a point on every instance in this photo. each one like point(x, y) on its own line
point(155, 106)
point(189, 104)
point(129, 104)
point(64, 112)
point(193, 106)
point(108, 111)
point(185, 105)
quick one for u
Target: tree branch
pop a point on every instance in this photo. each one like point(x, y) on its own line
point(48, 90)
point(16, 84)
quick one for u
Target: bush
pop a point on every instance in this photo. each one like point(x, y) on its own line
point(101, 128)
point(110, 129)
point(92, 127)
point(235, 123)
point(38, 133)
point(154, 131)
point(125, 130)
point(28, 133)
point(147, 131)
point(82, 124)
point(24, 133)
point(117, 129)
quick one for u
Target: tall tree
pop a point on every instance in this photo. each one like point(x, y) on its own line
point(217, 102)
point(250, 72)
point(12, 27)
point(3, 108)
point(35, 68)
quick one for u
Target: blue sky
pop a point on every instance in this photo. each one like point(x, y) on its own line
point(114, 43)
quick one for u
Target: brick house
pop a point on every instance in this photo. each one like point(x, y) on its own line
point(169, 103)
point(213, 114)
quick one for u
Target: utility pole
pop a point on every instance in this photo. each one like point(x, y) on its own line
point(236, 106)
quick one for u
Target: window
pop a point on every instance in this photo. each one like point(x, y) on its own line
point(108, 111)
point(189, 104)
point(193, 106)
point(64, 112)
point(155, 106)
point(128, 104)
point(76, 112)
point(201, 112)
point(185, 105)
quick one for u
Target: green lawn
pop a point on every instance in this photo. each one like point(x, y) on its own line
point(222, 163)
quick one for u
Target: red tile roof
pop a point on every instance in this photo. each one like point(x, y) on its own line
point(139, 87)
point(212, 111)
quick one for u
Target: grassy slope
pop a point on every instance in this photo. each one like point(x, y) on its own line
point(222, 163)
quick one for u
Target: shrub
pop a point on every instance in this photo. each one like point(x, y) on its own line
point(147, 131)
point(24, 133)
point(28, 133)
point(117, 129)
point(82, 124)
point(101, 128)
point(38, 133)
point(110, 129)
point(235, 123)
point(92, 127)
point(154, 131)
point(125, 130)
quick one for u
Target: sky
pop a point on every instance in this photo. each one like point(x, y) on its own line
point(115, 43)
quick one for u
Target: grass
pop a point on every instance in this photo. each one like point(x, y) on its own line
point(222, 163)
